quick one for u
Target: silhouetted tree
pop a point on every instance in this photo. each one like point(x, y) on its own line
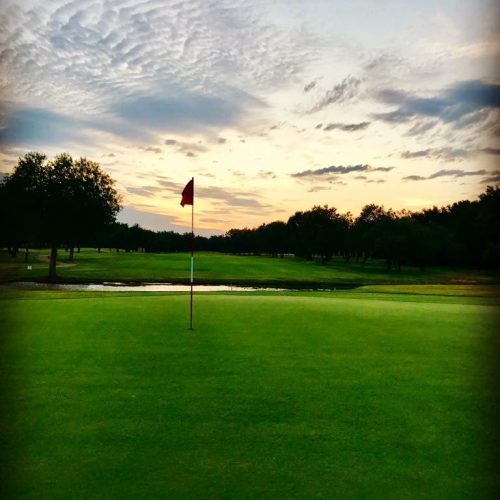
point(64, 199)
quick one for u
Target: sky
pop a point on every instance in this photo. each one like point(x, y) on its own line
point(272, 107)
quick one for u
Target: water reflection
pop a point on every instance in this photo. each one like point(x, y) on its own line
point(145, 287)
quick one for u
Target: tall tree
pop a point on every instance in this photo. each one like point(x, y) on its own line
point(66, 200)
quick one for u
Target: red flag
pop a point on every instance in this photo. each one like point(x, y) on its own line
point(188, 193)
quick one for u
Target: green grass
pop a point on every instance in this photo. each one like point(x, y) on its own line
point(89, 266)
point(274, 396)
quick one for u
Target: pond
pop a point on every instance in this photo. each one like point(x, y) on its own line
point(147, 287)
point(142, 287)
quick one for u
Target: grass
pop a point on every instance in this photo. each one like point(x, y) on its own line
point(89, 266)
point(276, 396)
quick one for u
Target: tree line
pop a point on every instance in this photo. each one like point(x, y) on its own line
point(67, 203)
point(466, 233)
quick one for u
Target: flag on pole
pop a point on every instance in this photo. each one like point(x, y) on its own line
point(188, 199)
point(188, 193)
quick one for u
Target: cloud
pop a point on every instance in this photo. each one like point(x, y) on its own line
point(266, 175)
point(445, 173)
point(143, 191)
point(456, 173)
point(454, 104)
point(34, 127)
point(181, 113)
point(190, 149)
point(346, 127)
point(424, 153)
point(309, 86)
point(227, 196)
point(148, 66)
point(490, 151)
point(152, 149)
point(446, 154)
point(28, 126)
point(493, 178)
point(159, 222)
point(328, 171)
point(414, 178)
point(343, 91)
point(421, 127)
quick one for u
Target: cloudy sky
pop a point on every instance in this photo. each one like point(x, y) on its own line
point(273, 107)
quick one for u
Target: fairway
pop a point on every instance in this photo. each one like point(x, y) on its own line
point(278, 396)
point(213, 267)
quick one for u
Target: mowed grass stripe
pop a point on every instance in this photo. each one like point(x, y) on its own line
point(271, 396)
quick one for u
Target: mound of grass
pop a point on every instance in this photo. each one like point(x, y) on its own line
point(279, 396)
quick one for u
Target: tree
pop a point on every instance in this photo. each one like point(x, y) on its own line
point(66, 200)
point(21, 196)
point(319, 231)
point(273, 238)
point(366, 230)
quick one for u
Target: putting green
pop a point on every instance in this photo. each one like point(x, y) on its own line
point(273, 396)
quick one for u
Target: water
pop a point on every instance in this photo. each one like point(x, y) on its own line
point(144, 287)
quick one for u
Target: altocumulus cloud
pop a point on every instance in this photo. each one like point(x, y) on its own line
point(134, 68)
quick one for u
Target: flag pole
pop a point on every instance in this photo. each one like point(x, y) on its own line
point(192, 262)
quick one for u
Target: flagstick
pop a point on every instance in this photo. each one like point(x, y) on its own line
point(192, 263)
